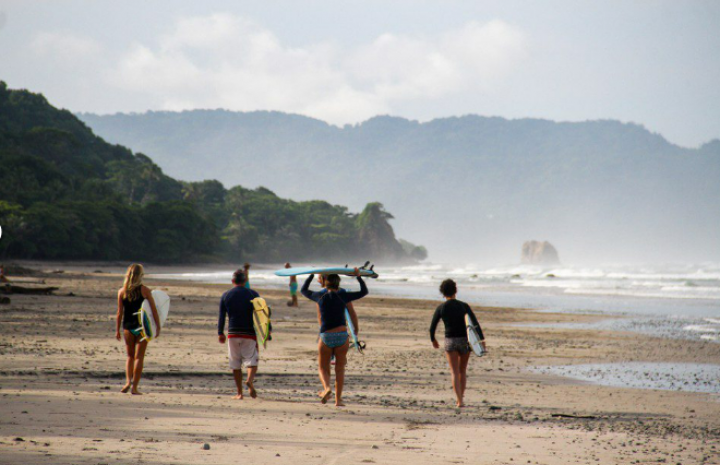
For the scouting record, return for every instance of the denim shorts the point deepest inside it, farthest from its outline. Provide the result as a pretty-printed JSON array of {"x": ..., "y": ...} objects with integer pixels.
[{"x": 334, "y": 340}]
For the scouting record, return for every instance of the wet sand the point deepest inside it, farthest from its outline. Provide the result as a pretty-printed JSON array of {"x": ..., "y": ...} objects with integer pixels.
[{"x": 61, "y": 371}]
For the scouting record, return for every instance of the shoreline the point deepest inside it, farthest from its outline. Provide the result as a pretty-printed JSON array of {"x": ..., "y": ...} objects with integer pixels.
[{"x": 398, "y": 393}]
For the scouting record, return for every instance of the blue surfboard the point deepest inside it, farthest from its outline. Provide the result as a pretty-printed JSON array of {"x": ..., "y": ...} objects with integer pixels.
[{"x": 325, "y": 270}]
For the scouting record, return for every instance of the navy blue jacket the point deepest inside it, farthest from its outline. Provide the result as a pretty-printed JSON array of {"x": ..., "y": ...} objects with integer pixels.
[{"x": 236, "y": 304}]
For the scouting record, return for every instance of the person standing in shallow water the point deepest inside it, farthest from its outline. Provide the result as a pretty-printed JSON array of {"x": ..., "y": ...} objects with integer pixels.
[
  {"x": 457, "y": 348},
  {"x": 130, "y": 299},
  {"x": 236, "y": 304}
]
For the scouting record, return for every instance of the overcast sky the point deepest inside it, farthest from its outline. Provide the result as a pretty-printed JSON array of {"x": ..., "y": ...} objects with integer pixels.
[{"x": 656, "y": 63}]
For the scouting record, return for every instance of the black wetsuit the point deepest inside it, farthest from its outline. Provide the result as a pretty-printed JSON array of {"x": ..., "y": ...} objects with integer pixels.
[
  {"x": 130, "y": 308},
  {"x": 453, "y": 313},
  {"x": 332, "y": 303}
]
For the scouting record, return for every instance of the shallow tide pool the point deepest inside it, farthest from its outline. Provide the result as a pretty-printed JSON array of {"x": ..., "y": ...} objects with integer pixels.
[{"x": 689, "y": 377}]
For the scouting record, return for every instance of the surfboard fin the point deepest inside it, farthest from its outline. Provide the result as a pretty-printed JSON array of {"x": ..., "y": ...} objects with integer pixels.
[{"x": 364, "y": 267}]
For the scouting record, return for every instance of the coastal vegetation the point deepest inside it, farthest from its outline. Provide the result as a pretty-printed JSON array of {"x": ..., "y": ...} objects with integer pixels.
[{"x": 65, "y": 193}]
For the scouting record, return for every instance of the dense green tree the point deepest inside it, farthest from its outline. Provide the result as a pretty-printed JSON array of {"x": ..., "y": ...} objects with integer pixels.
[{"x": 67, "y": 194}]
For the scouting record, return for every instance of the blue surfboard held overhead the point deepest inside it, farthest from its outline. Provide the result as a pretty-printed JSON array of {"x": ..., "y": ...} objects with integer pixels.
[{"x": 325, "y": 270}]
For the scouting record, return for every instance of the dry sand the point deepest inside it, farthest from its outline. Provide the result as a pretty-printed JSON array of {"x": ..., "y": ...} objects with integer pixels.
[{"x": 62, "y": 368}]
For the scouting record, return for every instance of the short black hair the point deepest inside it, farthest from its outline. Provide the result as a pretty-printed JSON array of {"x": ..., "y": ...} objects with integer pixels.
[
  {"x": 239, "y": 277},
  {"x": 448, "y": 288}
]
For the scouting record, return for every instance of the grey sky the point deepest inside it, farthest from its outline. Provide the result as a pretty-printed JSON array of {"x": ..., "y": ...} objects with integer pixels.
[{"x": 656, "y": 63}]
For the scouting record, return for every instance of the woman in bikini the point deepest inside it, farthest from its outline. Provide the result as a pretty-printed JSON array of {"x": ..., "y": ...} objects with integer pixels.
[
  {"x": 334, "y": 341},
  {"x": 129, "y": 301}
]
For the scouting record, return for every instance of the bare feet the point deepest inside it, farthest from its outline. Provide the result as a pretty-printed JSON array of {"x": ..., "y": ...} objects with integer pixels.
[
  {"x": 460, "y": 405},
  {"x": 339, "y": 403},
  {"x": 238, "y": 397},
  {"x": 125, "y": 388},
  {"x": 325, "y": 395},
  {"x": 135, "y": 392},
  {"x": 251, "y": 389}
]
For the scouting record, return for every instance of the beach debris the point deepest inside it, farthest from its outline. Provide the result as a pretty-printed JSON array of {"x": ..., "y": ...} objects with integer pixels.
[
  {"x": 206, "y": 446},
  {"x": 565, "y": 415},
  {"x": 12, "y": 289},
  {"x": 375, "y": 447},
  {"x": 18, "y": 439},
  {"x": 4, "y": 300}
]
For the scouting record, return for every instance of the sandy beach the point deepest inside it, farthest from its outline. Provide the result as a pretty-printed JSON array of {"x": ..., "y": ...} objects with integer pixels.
[{"x": 62, "y": 369}]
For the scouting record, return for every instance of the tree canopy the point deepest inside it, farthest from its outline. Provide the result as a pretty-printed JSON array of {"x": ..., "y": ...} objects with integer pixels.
[{"x": 67, "y": 194}]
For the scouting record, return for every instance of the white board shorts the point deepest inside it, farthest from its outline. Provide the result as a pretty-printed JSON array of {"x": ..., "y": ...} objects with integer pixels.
[{"x": 242, "y": 352}]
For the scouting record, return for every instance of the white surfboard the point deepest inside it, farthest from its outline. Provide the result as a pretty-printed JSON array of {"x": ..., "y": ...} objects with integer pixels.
[
  {"x": 351, "y": 331},
  {"x": 474, "y": 338},
  {"x": 148, "y": 328}
]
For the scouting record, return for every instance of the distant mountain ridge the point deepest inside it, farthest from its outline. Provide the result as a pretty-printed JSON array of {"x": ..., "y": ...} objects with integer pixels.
[{"x": 471, "y": 187}]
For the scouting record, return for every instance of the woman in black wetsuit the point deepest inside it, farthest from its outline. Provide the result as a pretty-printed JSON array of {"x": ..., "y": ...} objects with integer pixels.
[
  {"x": 129, "y": 301},
  {"x": 332, "y": 302},
  {"x": 457, "y": 347}
]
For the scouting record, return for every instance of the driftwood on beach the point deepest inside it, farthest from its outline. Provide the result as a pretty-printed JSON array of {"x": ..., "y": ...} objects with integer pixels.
[{"x": 13, "y": 289}]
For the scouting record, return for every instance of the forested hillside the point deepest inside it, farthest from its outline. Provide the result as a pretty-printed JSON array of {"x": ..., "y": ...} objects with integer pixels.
[
  {"x": 471, "y": 188},
  {"x": 67, "y": 194}
]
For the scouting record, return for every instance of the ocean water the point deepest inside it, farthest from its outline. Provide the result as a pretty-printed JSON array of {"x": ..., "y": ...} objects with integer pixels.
[{"x": 672, "y": 300}]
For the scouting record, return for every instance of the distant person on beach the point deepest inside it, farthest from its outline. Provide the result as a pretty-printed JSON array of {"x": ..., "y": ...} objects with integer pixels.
[
  {"x": 457, "y": 348},
  {"x": 130, "y": 299},
  {"x": 293, "y": 289},
  {"x": 237, "y": 305},
  {"x": 334, "y": 340},
  {"x": 246, "y": 270},
  {"x": 3, "y": 278}
]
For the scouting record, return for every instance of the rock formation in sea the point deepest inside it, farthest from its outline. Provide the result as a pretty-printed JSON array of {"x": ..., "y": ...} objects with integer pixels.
[{"x": 539, "y": 253}]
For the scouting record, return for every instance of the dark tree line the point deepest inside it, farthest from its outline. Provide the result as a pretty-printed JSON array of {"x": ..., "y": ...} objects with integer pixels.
[{"x": 67, "y": 194}]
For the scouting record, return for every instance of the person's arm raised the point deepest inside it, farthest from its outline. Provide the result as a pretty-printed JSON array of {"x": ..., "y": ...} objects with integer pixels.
[
  {"x": 350, "y": 296},
  {"x": 306, "y": 289}
]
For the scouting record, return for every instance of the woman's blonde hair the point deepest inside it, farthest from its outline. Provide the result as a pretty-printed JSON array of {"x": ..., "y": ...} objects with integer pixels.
[{"x": 133, "y": 281}]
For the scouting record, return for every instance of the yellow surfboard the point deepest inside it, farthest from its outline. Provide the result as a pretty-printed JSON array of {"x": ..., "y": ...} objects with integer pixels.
[{"x": 261, "y": 320}]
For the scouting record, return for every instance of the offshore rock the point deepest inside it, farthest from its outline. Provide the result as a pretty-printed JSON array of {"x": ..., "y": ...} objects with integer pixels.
[{"x": 539, "y": 253}]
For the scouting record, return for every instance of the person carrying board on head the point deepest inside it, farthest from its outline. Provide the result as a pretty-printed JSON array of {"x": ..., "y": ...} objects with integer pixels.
[
  {"x": 457, "y": 348},
  {"x": 331, "y": 304},
  {"x": 293, "y": 302},
  {"x": 236, "y": 305},
  {"x": 130, "y": 299}
]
